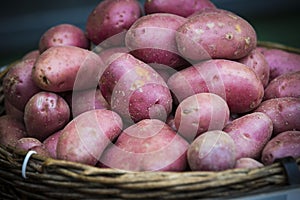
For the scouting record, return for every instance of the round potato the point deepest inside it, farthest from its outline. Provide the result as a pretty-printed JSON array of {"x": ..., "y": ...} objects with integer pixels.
[
  {"x": 47, "y": 110},
  {"x": 33, "y": 144},
  {"x": 50, "y": 143},
  {"x": 212, "y": 151},
  {"x": 215, "y": 33},
  {"x": 63, "y": 35},
  {"x": 200, "y": 113}
]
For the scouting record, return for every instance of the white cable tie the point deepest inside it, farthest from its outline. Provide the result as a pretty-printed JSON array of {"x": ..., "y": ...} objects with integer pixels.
[{"x": 25, "y": 162}]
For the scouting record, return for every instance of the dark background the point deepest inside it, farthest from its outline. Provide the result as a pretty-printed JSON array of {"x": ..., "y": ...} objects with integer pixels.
[{"x": 23, "y": 22}]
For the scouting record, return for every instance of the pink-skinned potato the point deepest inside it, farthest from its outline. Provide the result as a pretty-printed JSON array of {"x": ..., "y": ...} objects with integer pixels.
[
  {"x": 212, "y": 151},
  {"x": 47, "y": 110},
  {"x": 107, "y": 54},
  {"x": 50, "y": 143},
  {"x": 200, "y": 113},
  {"x": 84, "y": 138},
  {"x": 149, "y": 145},
  {"x": 110, "y": 18},
  {"x": 248, "y": 163},
  {"x": 281, "y": 62},
  {"x": 65, "y": 68},
  {"x": 135, "y": 90},
  {"x": 63, "y": 35},
  {"x": 258, "y": 63},
  {"x": 31, "y": 144},
  {"x": 284, "y": 113},
  {"x": 215, "y": 33},
  {"x": 286, "y": 85},
  {"x": 151, "y": 39},
  {"x": 283, "y": 145},
  {"x": 11, "y": 130},
  {"x": 13, "y": 111},
  {"x": 226, "y": 78},
  {"x": 18, "y": 85},
  {"x": 250, "y": 133},
  {"x": 33, "y": 54},
  {"x": 182, "y": 8}
]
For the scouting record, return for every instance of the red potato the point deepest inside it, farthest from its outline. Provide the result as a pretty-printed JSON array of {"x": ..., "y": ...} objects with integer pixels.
[
  {"x": 29, "y": 143},
  {"x": 250, "y": 134},
  {"x": 107, "y": 54},
  {"x": 33, "y": 54},
  {"x": 47, "y": 110},
  {"x": 63, "y": 35},
  {"x": 212, "y": 151},
  {"x": 135, "y": 90},
  {"x": 284, "y": 113},
  {"x": 200, "y": 113},
  {"x": 281, "y": 62},
  {"x": 228, "y": 79},
  {"x": 84, "y": 139},
  {"x": 50, "y": 143},
  {"x": 18, "y": 85},
  {"x": 86, "y": 100},
  {"x": 286, "y": 85},
  {"x": 13, "y": 111},
  {"x": 11, "y": 130},
  {"x": 111, "y": 17},
  {"x": 149, "y": 145},
  {"x": 256, "y": 61},
  {"x": 151, "y": 39},
  {"x": 284, "y": 144},
  {"x": 182, "y": 8},
  {"x": 215, "y": 33},
  {"x": 248, "y": 163},
  {"x": 65, "y": 68}
]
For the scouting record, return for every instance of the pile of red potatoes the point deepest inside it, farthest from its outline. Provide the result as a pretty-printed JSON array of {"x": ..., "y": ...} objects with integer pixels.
[{"x": 164, "y": 86}]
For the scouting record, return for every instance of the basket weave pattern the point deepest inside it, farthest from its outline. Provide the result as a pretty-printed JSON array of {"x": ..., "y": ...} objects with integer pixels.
[{"x": 57, "y": 179}]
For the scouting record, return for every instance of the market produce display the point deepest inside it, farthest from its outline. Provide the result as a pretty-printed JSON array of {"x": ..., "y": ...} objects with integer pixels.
[{"x": 162, "y": 86}]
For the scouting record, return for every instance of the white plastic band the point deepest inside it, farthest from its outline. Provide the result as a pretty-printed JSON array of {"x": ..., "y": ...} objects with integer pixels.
[{"x": 25, "y": 162}]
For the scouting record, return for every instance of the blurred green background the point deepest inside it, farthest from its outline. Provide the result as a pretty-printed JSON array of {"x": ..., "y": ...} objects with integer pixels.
[{"x": 23, "y": 22}]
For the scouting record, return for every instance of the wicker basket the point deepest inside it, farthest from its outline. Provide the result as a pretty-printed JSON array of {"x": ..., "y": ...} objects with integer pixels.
[{"x": 56, "y": 179}]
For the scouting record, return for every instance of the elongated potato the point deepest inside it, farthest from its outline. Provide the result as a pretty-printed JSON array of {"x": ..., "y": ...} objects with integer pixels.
[
  {"x": 18, "y": 84},
  {"x": 200, "y": 113},
  {"x": 250, "y": 133},
  {"x": 284, "y": 113},
  {"x": 84, "y": 139},
  {"x": 228, "y": 79},
  {"x": 286, "y": 85},
  {"x": 149, "y": 145},
  {"x": 182, "y": 8},
  {"x": 215, "y": 33},
  {"x": 284, "y": 144},
  {"x": 57, "y": 69},
  {"x": 212, "y": 151},
  {"x": 248, "y": 163},
  {"x": 135, "y": 90},
  {"x": 151, "y": 39}
]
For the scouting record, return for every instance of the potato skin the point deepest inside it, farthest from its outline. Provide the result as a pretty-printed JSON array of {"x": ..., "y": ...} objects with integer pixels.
[
  {"x": 212, "y": 151},
  {"x": 250, "y": 133},
  {"x": 84, "y": 139},
  {"x": 151, "y": 39},
  {"x": 215, "y": 33},
  {"x": 200, "y": 113},
  {"x": 286, "y": 85},
  {"x": 13, "y": 111},
  {"x": 18, "y": 85},
  {"x": 182, "y": 8},
  {"x": 57, "y": 69},
  {"x": 256, "y": 61},
  {"x": 63, "y": 35},
  {"x": 248, "y": 163},
  {"x": 281, "y": 62},
  {"x": 11, "y": 130},
  {"x": 47, "y": 110},
  {"x": 284, "y": 144},
  {"x": 33, "y": 144},
  {"x": 284, "y": 113},
  {"x": 111, "y": 17},
  {"x": 135, "y": 90},
  {"x": 228, "y": 79},
  {"x": 148, "y": 145},
  {"x": 33, "y": 54},
  {"x": 50, "y": 143}
]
